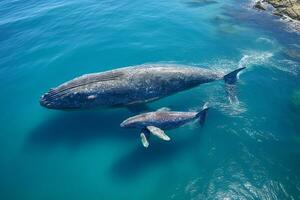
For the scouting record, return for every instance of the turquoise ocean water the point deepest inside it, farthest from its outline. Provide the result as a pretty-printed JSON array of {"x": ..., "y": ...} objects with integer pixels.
[{"x": 245, "y": 151}]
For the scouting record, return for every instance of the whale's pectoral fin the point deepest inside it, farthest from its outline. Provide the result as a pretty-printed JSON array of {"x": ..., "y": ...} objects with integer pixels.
[
  {"x": 145, "y": 135},
  {"x": 158, "y": 133},
  {"x": 230, "y": 80},
  {"x": 202, "y": 114}
]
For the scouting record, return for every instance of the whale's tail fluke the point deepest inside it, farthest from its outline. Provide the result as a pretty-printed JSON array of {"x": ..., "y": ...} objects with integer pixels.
[
  {"x": 231, "y": 77},
  {"x": 201, "y": 116},
  {"x": 230, "y": 87}
]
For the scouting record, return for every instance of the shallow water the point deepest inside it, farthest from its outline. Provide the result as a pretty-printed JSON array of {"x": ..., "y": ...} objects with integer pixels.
[{"x": 246, "y": 151}]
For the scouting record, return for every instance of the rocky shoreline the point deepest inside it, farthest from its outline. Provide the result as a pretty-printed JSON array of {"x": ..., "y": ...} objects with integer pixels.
[{"x": 282, "y": 8}]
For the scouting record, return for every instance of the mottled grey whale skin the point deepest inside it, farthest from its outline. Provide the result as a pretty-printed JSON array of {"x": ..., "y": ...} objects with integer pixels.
[
  {"x": 156, "y": 122},
  {"x": 162, "y": 119},
  {"x": 127, "y": 86}
]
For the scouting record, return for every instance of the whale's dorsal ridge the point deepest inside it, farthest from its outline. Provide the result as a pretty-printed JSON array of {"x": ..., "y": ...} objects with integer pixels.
[{"x": 93, "y": 79}]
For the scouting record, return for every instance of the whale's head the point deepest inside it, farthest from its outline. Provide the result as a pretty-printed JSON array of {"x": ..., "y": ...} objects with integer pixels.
[
  {"x": 134, "y": 122},
  {"x": 49, "y": 101},
  {"x": 129, "y": 123},
  {"x": 65, "y": 100}
]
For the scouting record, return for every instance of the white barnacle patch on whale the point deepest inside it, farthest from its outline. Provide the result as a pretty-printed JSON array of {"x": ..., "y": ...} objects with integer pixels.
[{"x": 91, "y": 97}]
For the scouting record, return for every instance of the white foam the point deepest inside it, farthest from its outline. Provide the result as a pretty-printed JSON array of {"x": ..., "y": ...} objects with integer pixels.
[
  {"x": 223, "y": 105},
  {"x": 288, "y": 66},
  {"x": 266, "y": 40},
  {"x": 292, "y": 26},
  {"x": 251, "y": 58}
]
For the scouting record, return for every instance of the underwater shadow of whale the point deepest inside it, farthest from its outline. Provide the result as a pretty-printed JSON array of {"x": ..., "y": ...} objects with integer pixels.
[
  {"x": 137, "y": 161},
  {"x": 72, "y": 129},
  {"x": 140, "y": 159},
  {"x": 200, "y": 3}
]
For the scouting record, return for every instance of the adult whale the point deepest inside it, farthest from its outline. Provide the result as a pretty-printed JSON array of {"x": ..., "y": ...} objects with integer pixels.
[{"x": 130, "y": 86}]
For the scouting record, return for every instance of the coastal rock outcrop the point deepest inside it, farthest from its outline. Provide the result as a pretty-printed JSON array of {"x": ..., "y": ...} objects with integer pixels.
[
  {"x": 259, "y": 5},
  {"x": 290, "y": 8}
]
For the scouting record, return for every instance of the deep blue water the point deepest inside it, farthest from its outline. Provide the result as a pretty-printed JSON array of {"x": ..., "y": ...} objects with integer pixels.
[{"x": 245, "y": 151}]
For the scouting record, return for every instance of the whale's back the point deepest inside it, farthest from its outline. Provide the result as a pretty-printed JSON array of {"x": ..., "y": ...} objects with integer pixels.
[{"x": 129, "y": 85}]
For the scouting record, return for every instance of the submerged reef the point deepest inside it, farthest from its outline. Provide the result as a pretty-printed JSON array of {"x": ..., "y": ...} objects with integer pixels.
[
  {"x": 292, "y": 53},
  {"x": 296, "y": 99},
  {"x": 282, "y": 8}
]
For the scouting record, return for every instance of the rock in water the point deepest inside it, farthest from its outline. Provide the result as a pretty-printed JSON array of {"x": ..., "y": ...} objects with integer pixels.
[
  {"x": 259, "y": 5},
  {"x": 290, "y": 8},
  {"x": 277, "y": 13}
]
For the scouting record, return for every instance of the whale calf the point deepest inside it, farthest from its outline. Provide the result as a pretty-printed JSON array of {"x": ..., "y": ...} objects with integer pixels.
[
  {"x": 130, "y": 86},
  {"x": 156, "y": 122}
]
